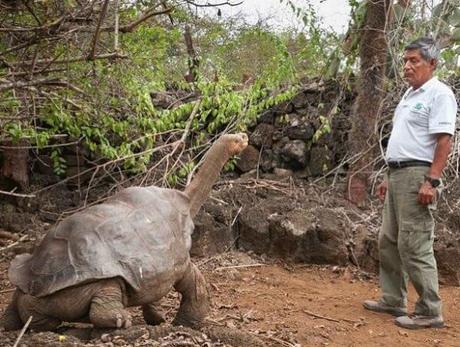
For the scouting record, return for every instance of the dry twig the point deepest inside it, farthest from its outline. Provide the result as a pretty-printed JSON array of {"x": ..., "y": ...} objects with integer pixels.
[
  {"x": 21, "y": 334},
  {"x": 328, "y": 318}
]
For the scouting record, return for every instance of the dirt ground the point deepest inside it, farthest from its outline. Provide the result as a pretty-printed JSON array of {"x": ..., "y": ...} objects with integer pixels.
[{"x": 286, "y": 305}]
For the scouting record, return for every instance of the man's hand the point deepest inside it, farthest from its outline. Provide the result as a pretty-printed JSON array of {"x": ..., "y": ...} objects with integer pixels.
[
  {"x": 382, "y": 190},
  {"x": 426, "y": 194}
]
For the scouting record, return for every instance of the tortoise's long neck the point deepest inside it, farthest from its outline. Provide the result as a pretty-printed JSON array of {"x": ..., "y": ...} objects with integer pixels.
[{"x": 201, "y": 185}]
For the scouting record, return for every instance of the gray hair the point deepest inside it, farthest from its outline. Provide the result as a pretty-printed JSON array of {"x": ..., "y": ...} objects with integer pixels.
[{"x": 427, "y": 46}]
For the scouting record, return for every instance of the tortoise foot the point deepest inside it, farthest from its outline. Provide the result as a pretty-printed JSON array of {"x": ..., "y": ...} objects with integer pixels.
[{"x": 110, "y": 318}]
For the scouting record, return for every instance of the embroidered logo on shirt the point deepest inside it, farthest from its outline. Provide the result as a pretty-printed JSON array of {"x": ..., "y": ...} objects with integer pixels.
[{"x": 418, "y": 106}]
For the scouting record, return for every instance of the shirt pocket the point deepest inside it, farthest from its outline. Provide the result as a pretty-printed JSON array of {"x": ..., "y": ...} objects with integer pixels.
[{"x": 419, "y": 117}]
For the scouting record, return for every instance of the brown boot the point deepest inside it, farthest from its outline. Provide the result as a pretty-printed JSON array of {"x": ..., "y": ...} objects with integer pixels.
[{"x": 378, "y": 306}]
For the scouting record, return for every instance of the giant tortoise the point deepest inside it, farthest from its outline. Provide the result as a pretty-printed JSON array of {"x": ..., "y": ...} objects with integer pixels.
[{"x": 128, "y": 251}]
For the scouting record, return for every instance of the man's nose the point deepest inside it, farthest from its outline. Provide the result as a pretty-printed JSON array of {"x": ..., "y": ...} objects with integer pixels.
[{"x": 407, "y": 65}]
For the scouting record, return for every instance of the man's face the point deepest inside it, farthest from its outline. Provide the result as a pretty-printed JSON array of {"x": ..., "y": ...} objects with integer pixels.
[{"x": 417, "y": 70}]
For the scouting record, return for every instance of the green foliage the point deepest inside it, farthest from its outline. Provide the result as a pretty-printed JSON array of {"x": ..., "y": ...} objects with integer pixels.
[
  {"x": 59, "y": 163},
  {"x": 325, "y": 128},
  {"x": 243, "y": 71}
]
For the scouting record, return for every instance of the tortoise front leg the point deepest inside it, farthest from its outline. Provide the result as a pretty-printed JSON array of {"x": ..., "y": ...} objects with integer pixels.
[
  {"x": 195, "y": 304},
  {"x": 107, "y": 309}
]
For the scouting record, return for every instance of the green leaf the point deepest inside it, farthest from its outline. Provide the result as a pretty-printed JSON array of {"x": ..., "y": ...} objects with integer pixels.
[{"x": 456, "y": 35}]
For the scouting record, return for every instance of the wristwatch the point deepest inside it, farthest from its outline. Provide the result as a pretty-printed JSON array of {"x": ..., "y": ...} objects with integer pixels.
[{"x": 435, "y": 182}]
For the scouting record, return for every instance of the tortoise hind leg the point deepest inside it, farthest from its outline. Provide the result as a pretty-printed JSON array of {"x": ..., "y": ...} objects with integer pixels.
[
  {"x": 151, "y": 315},
  {"x": 107, "y": 309},
  {"x": 37, "y": 308},
  {"x": 10, "y": 320},
  {"x": 195, "y": 304}
]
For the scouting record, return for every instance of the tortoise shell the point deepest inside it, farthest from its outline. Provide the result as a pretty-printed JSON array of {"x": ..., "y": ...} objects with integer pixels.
[{"x": 138, "y": 233}]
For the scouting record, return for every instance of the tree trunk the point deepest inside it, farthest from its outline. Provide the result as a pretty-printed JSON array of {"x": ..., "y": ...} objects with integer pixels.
[
  {"x": 367, "y": 107},
  {"x": 14, "y": 164},
  {"x": 193, "y": 61}
]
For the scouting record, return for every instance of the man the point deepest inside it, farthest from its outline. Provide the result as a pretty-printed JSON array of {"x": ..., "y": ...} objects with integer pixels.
[{"x": 418, "y": 148}]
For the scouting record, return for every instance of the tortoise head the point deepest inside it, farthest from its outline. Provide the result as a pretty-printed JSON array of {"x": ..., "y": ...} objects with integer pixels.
[{"x": 235, "y": 143}]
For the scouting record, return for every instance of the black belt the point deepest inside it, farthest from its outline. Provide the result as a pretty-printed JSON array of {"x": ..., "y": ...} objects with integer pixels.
[{"x": 407, "y": 163}]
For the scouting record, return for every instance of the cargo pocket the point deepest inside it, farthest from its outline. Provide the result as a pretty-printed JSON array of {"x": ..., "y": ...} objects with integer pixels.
[{"x": 416, "y": 238}]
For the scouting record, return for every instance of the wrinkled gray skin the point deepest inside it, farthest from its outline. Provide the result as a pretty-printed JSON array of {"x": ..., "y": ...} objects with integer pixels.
[{"x": 128, "y": 251}]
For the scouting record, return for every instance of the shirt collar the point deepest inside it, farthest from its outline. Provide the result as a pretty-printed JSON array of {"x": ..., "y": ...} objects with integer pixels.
[
  {"x": 428, "y": 83},
  {"x": 425, "y": 86}
]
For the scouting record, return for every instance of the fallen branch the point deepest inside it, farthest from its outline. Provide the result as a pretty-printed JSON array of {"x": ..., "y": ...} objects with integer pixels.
[
  {"x": 7, "y": 235},
  {"x": 282, "y": 342},
  {"x": 17, "y": 194},
  {"x": 5, "y": 291},
  {"x": 239, "y": 266},
  {"x": 328, "y": 318},
  {"x": 14, "y": 243},
  {"x": 21, "y": 334}
]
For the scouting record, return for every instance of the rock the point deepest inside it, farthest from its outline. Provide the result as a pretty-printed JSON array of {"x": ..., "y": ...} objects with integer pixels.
[
  {"x": 14, "y": 219},
  {"x": 213, "y": 231},
  {"x": 303, "y": 131},
  {"x": 308, "y": 234},
  {"x": 248, "y": 159},
  {"x": 295, "y": 152},
  {"x": 45, "y": 165},
  {"x": 250, "y": 174},
  {"x": 366, "y": 249},
  {"x": 320, "y": 160},
  {"x": 300, "y": 101},
  {"x": 253, "y": 224},
  {"x": 262, "y": 136},
  {"x": 283, "y": 108},
  {"x": 312, "y": 236},
  {"x": 268, "y": 117},
  {"x": 282, "y": 173},
  {"x": 447, "y": 254},
  {"x": 269, "y": 160}
]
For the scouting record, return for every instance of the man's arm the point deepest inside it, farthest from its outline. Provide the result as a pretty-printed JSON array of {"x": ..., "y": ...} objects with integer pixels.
[
  {"x": 441, "y": 153},
  {"x": 427, "y": 193}
]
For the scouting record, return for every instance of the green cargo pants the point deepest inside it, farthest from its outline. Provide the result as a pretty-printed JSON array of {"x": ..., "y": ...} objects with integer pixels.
[{"x": 406, "y": 244}]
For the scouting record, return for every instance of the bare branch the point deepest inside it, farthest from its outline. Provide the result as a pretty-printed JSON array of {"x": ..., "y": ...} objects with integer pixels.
[
  {"x": 45, "y": 27},
  {"x": 225, "y": 3},
  {"x": 130, "y": 27},
  {"x": 17, "y": 194},
  {"x": 72, "y": 60},
  {"x": 98, "y": 27},
  {"x": 41, "y": 81}
]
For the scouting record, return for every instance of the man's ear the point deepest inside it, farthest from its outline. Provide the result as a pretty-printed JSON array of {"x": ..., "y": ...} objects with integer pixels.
[{"x": 433, "y": 63}]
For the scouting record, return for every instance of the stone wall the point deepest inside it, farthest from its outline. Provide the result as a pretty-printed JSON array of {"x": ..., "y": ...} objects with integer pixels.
[{"x": 305, "y": 137}]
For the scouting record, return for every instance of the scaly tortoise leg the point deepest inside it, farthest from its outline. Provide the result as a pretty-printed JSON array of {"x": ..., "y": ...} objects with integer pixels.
[
  {"x": 37, "y": 308},
  {"x": 195, "y": 304},
  {"x": 151, "y": 315},
  {"x": 10, "y": 320},
  {"x": 107, "y": 309}
]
